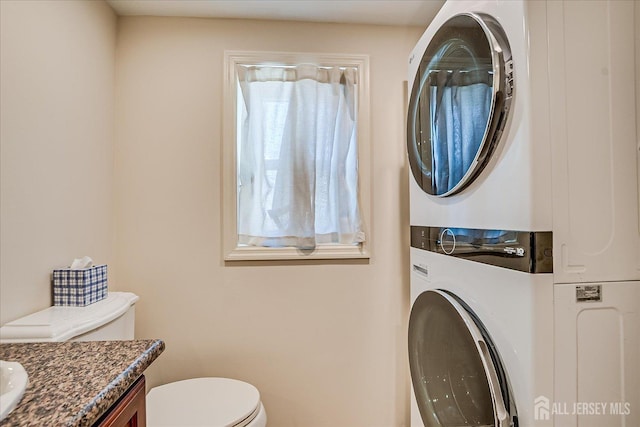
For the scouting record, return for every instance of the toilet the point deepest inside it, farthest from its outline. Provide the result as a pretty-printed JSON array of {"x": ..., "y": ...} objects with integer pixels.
[
  {"x": 202, "y": 402},
  {"x": 205, "y": 402}
]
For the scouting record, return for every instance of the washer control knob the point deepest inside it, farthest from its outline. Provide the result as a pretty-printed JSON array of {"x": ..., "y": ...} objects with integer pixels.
[{"x": 447, "y": 241}]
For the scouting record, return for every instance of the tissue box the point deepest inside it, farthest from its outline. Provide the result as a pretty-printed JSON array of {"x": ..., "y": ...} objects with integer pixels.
[{"x": 79, "y": 287}]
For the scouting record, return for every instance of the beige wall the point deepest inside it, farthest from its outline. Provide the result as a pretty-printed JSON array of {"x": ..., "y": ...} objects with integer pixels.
[
  {"x": 637, "y": 41},
  {"x": 324, "y": 343},
  {"x": 56, "y": 144}
]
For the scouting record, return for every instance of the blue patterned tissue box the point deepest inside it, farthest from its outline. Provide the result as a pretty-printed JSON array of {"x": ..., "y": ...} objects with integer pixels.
[{"x": 79, "y": 287}]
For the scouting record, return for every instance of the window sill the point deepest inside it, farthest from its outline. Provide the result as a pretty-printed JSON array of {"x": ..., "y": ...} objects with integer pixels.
[{"x": 324, "y": 252}]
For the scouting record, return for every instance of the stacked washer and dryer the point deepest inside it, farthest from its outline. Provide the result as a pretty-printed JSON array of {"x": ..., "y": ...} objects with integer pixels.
[{"x": 525, "y": 282}]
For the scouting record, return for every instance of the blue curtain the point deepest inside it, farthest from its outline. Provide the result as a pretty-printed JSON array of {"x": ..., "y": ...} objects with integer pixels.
[{"x": 459, "y": 117}]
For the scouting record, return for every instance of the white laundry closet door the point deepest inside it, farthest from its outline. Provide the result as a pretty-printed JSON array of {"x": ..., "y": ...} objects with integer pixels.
[
  {"x": 593, "y": 139},
  {"x": 597, "y": 355}
]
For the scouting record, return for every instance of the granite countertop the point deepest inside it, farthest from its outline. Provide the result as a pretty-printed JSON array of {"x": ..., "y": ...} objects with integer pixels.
[{"x": 74, "y": 383}]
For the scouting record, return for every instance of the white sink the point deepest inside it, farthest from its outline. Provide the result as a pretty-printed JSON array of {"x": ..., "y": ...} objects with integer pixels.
[{"x": 13, "y": 382}]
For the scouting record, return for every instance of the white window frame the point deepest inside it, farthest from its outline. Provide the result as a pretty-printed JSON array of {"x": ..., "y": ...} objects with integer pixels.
[{"x": 231, "y": 250}]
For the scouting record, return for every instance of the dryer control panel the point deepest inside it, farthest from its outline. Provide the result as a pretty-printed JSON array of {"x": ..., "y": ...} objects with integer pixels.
[{"x": 527, "y": 251}]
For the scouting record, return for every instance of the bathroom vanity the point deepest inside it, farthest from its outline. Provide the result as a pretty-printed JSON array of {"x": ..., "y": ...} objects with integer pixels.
[{"x": 97, "y": 383}]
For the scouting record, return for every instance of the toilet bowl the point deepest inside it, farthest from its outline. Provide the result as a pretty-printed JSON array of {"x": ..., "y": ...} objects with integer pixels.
[
  {"x": 202, "y": 402},
  {"x": 216, "y": 402}
]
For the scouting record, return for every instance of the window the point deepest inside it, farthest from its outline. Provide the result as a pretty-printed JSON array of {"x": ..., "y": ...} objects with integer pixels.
[{"x": 295, "y": 156}]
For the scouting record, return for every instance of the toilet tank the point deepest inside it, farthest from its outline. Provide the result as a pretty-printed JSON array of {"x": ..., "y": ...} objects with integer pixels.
[{"x": 112, "y": 318}]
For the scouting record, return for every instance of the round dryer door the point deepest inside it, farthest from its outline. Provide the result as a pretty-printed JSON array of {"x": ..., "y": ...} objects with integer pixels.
[
  {"x": 456, "y": 372},
  {"x": 459, "y": 103}
]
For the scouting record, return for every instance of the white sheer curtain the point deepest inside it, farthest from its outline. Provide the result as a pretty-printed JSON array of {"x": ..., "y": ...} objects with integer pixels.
[{"x": 297, "y": 160}]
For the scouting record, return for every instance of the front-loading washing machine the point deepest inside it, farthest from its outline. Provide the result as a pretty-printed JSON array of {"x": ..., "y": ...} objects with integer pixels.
[
  {"x": 474, "y": 343},
  {"x": 524, "y": 200},
  {"x": 491, "y": 345}
]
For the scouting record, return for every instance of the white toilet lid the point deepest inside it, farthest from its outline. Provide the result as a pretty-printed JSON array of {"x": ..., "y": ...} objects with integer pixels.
[
  {"x": 60, "y": 323},
  {"x": 219, "y": 402}
]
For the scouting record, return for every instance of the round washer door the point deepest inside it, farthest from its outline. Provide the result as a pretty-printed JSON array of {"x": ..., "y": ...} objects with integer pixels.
[
  {"x": 459, "y": 103},
  {"x": 457, "y": 376}
]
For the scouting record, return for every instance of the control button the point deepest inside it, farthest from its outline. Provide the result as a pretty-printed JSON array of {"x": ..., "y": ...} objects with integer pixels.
[{"x": 447, "y": 241}]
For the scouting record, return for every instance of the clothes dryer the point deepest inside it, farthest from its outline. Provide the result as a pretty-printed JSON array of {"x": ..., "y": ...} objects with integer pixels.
[{"x": 521, "y": 118}]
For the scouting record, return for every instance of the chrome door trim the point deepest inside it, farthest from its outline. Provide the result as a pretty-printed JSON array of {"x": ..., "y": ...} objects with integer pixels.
[
  {"x": 500, "y": 410},
  {"x": 503, "y": 416},
  {"x": 502, "y": 94}
]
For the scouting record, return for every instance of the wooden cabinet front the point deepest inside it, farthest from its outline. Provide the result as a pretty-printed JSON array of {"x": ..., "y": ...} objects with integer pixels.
[{"x": 129, "y": 410}]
